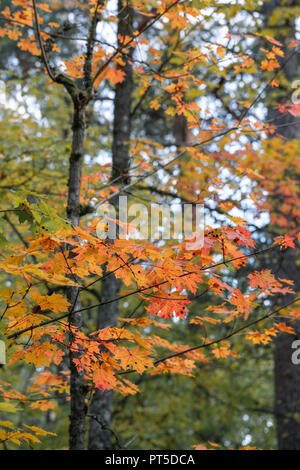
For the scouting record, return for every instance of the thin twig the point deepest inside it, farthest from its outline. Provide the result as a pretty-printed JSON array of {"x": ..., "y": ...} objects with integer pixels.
[
  {"x": 233, "y": 333},
  {"x": 105, "y": 427}
]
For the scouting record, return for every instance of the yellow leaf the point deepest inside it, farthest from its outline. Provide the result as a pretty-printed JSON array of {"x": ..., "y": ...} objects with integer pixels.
[
  {"x": 39, "y": 431},
  {"x": 8, "y": 407}
]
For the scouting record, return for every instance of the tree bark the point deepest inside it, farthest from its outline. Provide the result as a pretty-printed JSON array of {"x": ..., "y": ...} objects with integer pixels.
[
  {"x": 122, "y": 103},
  {"x": 78, "y": 407},
  {"x": 81, "y": 98},
  {"x": 287, "y": 374},
  {"x": 101, "y": 406}
]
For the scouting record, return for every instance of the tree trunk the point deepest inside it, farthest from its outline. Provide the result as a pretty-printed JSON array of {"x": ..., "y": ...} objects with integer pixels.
[
  {"x": 101, "y": 406},
  {"x": 122, "y": 104},
  {"x": 287, "y": 374},
  {"x": 78, "y": 411}
]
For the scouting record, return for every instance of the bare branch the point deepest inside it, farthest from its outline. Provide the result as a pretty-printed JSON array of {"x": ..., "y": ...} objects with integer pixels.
[
  {"x": 233, "y": 333},
  {"x": 105, "y": 427},
  {"x": 90, "y": 48},
  {"x": 177, "y": 156},
  {"x": 38, "y": 31}
]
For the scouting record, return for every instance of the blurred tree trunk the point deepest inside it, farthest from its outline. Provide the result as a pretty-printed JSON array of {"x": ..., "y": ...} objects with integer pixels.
[
  {"x": 101, "y": 407},
  {"x": 287, "y": 374}
]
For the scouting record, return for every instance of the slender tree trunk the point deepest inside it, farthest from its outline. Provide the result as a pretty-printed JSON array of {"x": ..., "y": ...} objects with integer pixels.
[
  {"x": 122, "y": 105},
  {"x": 78, "y": 411},
  {"x": 287, "y": 374},
  {"x": 80, "y": 99},
  {"x": 101, "y": 406}
]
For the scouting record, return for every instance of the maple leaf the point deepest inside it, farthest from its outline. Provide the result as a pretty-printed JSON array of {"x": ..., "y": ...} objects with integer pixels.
[
  {"x": 263, "y": 279},
  {"x": 285, "y": 241},
  {"x": 135, "y": 358},
  {"x": 167, "y": 307},
  {"x": 221, "y": 352},
  {"x": 240, "y": 235},
  {"x": 242, "y": 302},
  {"x": 221, "y": 52},
  {"x": 269, "y": 65},
  {"x": 56, "y": 303},
  {"x": 190, "y": 282},
  {"x": 46, "y": 378},
  {"x": 27, "y": 45},
  {"x": 7, "y": 424},
  {"x": 104, "y": 377},
  {"x": 43, "y": 405},
  {"x": 39, "y": 354},
  {"x": 8, "y": 407},
  {"x": 262, "y": 337},
  {"x": 285, "y": 328},
  {"x": 39, "y": 431},
  {"x": 218, "y": 286},
  {"x": 113, "y": 74}
]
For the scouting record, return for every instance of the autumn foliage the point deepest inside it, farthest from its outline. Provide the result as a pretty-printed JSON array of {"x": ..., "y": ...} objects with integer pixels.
[{"x": 230, "y": 161}]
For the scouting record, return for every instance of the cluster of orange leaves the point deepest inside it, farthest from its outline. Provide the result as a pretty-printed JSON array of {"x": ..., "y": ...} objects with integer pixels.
[{"x": 160, "y": 277}]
